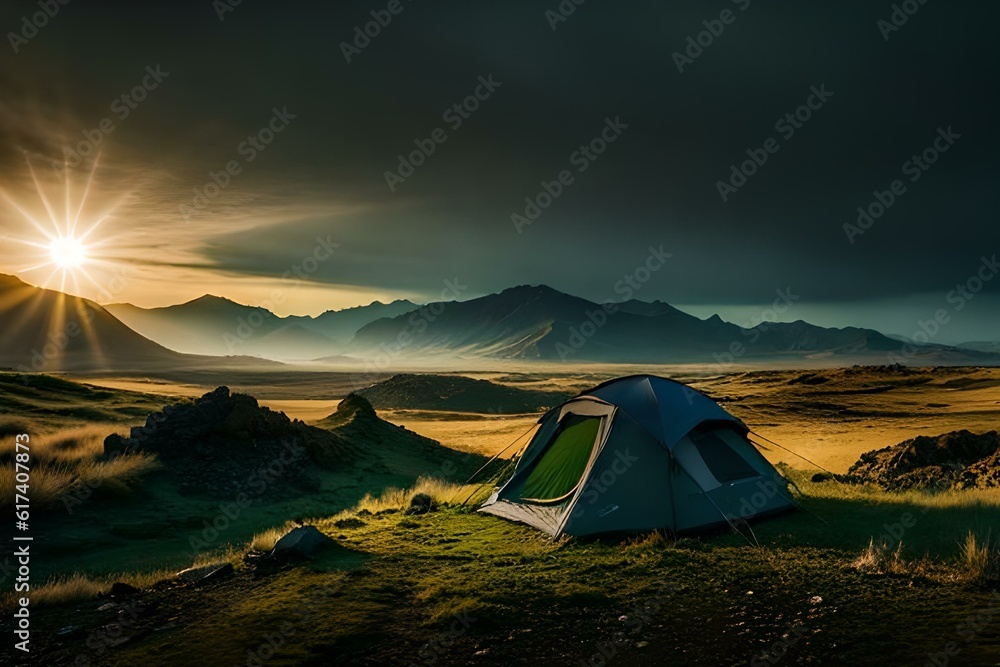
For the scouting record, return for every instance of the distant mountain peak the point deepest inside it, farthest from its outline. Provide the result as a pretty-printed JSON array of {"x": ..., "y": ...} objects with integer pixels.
[{"x": 210, "y": 299}]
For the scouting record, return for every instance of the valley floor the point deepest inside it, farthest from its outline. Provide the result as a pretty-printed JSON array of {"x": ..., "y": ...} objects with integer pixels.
[{"x": 454, "y": 587}]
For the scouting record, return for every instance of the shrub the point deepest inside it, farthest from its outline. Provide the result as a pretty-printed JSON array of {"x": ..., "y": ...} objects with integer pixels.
[{"x": 979, "y": 561}]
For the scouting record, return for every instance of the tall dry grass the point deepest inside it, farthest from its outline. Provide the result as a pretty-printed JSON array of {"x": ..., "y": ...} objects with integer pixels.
[
  {"x": 440, "y": 491},
  {"x": 881, "y": 558},
  {"x": 65, "y": 589},
  {"x": 979, "y": 560},
  {"x": 71, "y": 461}
]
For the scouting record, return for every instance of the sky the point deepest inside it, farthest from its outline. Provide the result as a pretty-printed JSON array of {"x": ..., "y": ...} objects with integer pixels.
[{"x": 634, "y": 129}]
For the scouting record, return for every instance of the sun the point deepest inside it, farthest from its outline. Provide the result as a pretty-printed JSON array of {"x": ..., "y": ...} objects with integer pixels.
[
  {"x": 68, "y": 252},
  {"x": 65, "y": 245}
]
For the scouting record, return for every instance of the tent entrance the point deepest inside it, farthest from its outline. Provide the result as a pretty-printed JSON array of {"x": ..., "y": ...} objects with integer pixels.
[
  {"x": 725, "y": 464},
  {"x": 559, "y": 470}
]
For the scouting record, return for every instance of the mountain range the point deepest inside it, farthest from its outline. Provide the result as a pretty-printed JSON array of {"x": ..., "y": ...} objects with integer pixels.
[
  {"x": 49, "y": 330},
  {"x": 217, "y": 326},
  {"x": 538, "y": 322}
]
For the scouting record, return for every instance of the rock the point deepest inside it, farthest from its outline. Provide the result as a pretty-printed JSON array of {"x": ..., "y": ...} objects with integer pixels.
[
  {"x": 217, "y": 441},
  {"x": 206, "y": 573},
  {"x": 302, "y": 543},
  {"x": 959, "y": 459},
  {"x": 355, "y": 403},
  {"x": 421, "y": 504},
  {"x": 115, "y": 445},
  {"x": 120, "y": 589}
]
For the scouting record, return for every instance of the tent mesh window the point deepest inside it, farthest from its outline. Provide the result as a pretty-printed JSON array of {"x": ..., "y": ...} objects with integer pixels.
[
  {"x": 722, "y": 460},
  {"x": 560, "y": 468}
]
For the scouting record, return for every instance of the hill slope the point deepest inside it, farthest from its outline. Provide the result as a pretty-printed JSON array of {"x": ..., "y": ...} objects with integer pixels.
[
  {"x": 46, "y": 330},
  {"x": 52, "y": 331},
  {"x": 457, "y": 393}
]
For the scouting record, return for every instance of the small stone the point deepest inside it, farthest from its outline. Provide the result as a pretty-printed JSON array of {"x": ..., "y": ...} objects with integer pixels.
[
  {"x": 421, "y": 504},
  {"x": 121, "y": 589}
]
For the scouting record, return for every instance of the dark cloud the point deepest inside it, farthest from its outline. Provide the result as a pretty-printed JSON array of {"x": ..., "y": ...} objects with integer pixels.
[{"x": 655, "y": 185}]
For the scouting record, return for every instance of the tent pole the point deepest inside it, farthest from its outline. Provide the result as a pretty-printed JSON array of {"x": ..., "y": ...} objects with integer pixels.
[
  {"x": 791, "y": 452},
  {"x": 495, "y": 457}
]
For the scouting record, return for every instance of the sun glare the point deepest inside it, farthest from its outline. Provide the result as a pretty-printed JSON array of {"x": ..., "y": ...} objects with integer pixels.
[
  {"x": 64, "y": 244},
  {"x": 68, "y": 252}
]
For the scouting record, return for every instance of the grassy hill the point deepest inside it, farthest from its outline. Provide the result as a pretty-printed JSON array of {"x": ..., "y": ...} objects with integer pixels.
[
  {"x": 139, "y": 499},
  {"x": 457, "y": 393}
]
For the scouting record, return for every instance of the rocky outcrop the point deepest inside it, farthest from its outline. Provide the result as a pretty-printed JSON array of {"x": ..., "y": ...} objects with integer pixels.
[
  {"x": 223, "y": 443},
  {"x": 959, "y": 459}
]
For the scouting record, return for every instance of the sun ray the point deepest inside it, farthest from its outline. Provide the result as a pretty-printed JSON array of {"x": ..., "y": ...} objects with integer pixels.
[
  {"x": 67, "y": 187},
  {"x": 27, "y": 216},
  {"x": 41, "y": 192},
  {"x": 86, "y": 193}
]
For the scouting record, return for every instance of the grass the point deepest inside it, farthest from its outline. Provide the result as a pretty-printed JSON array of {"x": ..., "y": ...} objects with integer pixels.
[
  {"x": 881, "y": 558},
  {"x": 68, "y": 465},
  {"x": 979, "y": 561},
  {"x": 265, "y": 540},
  {"x": 727, "y": 601},
  {"x": 77, "y": 587},
  {"x": 441, "y": 492}
]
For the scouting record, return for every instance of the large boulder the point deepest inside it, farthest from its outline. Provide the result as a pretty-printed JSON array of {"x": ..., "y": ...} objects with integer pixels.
[{"x": 302, "y": 543}]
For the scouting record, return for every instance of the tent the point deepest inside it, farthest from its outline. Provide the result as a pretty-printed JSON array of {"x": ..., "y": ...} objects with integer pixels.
[{"x": 639, "y": 453}]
